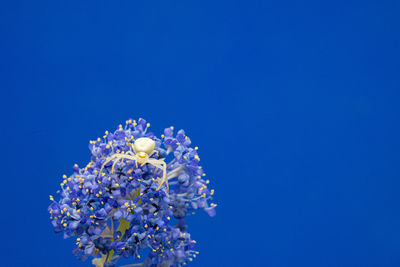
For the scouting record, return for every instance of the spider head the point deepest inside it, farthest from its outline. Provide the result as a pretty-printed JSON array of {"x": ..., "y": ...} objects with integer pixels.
[
  {"x": 142, "y": 155},
  {"x": 143, "y": 147}
]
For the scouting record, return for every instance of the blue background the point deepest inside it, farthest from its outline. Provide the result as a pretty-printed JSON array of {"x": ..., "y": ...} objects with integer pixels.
[{"x": 294, "y": 105}]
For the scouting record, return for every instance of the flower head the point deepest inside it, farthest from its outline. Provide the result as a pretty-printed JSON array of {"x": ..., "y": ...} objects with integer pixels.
[{"x": 120, "y": 206}]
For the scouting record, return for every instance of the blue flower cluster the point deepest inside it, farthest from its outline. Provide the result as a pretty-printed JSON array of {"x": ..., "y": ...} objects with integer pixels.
[{"x": 114, "y": 210}]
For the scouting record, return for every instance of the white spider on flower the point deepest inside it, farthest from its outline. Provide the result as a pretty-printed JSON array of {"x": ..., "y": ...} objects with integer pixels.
[{"x": 143, "y": 149}]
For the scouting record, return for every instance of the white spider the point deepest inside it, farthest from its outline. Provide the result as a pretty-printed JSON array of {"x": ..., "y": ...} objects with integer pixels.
[{"x": 144, "y": 149}]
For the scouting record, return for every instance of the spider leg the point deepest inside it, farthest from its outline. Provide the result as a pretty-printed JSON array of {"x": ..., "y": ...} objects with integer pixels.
[
  {"x": 105, "y": 162},
  {"x": 133, "y": 155},
  {"x": 165, "y": 174},
  {"x": 162, "y": 166},
  {"x": 119, "y": 156},
  {"x": 115, "y": 162},
  {"x": 122, "y": 156},
  {"x": 130, "y": 153}
]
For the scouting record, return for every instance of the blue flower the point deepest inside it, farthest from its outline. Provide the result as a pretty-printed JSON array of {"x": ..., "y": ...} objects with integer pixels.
[{"x": 115, "y": 207}]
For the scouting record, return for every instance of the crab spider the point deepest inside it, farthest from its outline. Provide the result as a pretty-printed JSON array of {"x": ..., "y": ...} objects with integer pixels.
[{"x": 144, "y": 149}]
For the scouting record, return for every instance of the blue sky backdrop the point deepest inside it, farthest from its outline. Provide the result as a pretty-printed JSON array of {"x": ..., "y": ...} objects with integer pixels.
[{"x": 294, "y": 105}]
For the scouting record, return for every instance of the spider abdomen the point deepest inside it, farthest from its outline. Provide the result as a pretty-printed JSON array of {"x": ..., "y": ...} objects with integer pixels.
[{"x": 144, "y": 144}]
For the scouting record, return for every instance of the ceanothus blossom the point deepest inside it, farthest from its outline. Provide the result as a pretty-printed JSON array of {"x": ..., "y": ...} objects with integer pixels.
[{"x": 117, "y": 208}]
